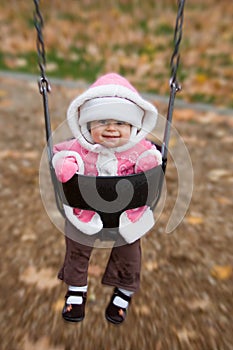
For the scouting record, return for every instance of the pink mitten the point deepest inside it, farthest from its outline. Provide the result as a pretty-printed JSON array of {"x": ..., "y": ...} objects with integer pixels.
[
  {"x": 148, "y": 160},
  {"x": 65, "y": 168}
]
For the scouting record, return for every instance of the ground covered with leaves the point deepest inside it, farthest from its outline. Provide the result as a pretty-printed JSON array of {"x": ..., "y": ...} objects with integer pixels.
[{"x": 185, "y": 300}]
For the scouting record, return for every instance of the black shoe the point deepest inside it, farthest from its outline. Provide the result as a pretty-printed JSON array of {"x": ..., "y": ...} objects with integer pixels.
[
  {"x": 116, "y": 314},
  {"x": 74, "y": 312}
]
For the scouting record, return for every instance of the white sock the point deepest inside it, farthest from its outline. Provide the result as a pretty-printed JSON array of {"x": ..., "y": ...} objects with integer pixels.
[
  {"x": 76, "y": 299},
  {"x": 118, "y": 301}
]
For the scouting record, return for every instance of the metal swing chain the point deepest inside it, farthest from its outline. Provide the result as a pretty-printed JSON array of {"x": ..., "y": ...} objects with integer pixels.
[
  {"x": 43, "y": 83},
  {"x": 39, "y": 24},
  {"x": 175, "y": 59},
  {"x": 45, "y": 88},
  {"x": 174, "y": 85}
]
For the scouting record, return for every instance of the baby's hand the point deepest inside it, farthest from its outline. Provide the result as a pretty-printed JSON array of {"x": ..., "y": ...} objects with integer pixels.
[
  {"x": 148, "y": 160},
  {"x": 65, "y": 168}
]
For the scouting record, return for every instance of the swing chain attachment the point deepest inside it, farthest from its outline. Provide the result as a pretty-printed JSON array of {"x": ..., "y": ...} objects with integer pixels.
[
  {"x": 175, "y": 59},
  {"x": 174, "y": 85},
  {"x": 43, "y": 83},
  {"x": 45, "y": 88}
]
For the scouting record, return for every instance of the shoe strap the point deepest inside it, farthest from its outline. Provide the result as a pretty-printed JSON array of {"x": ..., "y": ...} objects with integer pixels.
[
  {"x": 75, "y": 294},
  {"x": 118, "y": 293}
]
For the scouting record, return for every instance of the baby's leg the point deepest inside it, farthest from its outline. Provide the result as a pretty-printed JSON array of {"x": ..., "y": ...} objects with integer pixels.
[
  {"x": 78, "y": 251},
  {"x": 75, "y": 274},
  {"x": 123, "y": 272},
  {"x": 124, "y": 266}
]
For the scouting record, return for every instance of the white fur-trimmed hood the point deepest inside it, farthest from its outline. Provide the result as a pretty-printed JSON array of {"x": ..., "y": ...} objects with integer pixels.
[{"x": 111, "y": 85}]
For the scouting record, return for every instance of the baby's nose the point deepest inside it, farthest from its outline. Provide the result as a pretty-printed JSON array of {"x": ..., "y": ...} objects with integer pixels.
[{"x": 111, "y": 125}]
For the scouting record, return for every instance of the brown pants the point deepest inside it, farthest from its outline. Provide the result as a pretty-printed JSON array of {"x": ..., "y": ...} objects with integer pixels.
[{"x": 122, "y": 270}]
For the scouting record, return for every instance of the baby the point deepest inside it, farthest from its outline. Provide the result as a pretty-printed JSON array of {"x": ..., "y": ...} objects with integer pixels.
[{"x": 109, "y": 121}]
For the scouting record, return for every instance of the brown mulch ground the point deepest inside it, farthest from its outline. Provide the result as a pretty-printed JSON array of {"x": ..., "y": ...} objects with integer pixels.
[{"x": 185, "y": 301}]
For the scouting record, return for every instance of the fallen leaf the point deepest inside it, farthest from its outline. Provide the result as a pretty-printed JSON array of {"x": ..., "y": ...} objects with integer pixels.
[
  {"x": 3, "y": 93},
  {"x": 199, "y": 304},
  {"x": 51, "y": 67},
  {"x": 58, "y": 305},
  {"x": 184, "y": 114},
  {"x": 217, "y": 174},
  {"x": 5, "y": 103},
  {"x": 42, "y": 343},
  {"x": 143, "y": 310},
  {"x": 184, "y": 335},
  {"x": 21, "y": 62},
  {"x": 15, "y": 154},
  {"x": 172, "y": 142},
  {"x": 29, "y": 171},
  {"x": 224, "y": 200},
  {"x": 29, "y": 237},
  {"x": 43, "y": 279},
  {"x": 228, "y": 139},
  {"x": 91, "y": 297},
  {"x": 151, "y": 265},
  {"x": 201, "y": 78},
  {"x": 195, "y": 140},
  {"x": 195, "y": 220},
  {"x": 221, "y": 272}
]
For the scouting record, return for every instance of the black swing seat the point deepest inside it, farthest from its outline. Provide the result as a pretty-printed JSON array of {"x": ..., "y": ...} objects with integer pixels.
[{"x": 109, "y": 196}]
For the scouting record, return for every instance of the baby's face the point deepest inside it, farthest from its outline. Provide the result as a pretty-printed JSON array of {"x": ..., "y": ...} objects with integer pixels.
[{"x": 110, "y": 133}]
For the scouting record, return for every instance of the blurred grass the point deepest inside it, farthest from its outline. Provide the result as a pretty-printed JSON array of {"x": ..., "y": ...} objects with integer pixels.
[{"x": 85, "y": 39}]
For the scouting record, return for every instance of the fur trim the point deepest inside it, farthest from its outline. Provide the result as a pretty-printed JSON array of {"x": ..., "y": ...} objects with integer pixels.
[
  {"x": 90, "y": 228},
  {"x": 132, "y": 231},
  {"x": 111, "y": 90}
]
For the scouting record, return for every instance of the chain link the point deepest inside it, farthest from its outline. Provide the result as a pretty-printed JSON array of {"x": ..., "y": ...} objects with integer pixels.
[
  {"x": 175, "y": 59},
  {"x": 39, "y": 24},
  {"x": 174, "y": 85}
]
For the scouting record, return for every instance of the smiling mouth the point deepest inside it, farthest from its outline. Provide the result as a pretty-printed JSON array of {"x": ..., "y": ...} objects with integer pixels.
[{"x": 111, "y": 137}]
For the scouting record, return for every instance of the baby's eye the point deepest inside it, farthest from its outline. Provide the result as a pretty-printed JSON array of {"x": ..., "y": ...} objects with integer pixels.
[
  {"x": 103, "y": 122},
  {"x": 121, "y": 123}
]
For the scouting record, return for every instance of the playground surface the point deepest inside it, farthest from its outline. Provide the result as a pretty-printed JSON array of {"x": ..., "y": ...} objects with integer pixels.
[{"x": 185, "y": 300}]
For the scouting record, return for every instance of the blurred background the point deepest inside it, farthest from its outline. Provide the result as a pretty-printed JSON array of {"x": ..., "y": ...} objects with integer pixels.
[
  {"x": 185, "y": 300},
  {"x": 87, "y": 38}
]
